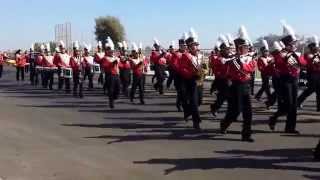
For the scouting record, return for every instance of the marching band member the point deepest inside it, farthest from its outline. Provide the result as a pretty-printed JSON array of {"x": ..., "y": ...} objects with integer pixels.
[
  {"x": 200, "y": 81},
  {"x": 62, "y": 61},
  {"x": 32, "y": 65},
  {"x": 313, "y": 71},
  {"x": 48, "y": 66},
  {"x": 239, "y": 72},
  {"x": 190, "y": 68},
  {"x": 175, "y": 61},
  {"x": 125, "y": 69},
  {"x": 146, "y": 64},
  {"x": 97, "y": 58},
  {"x": 215, "y": 53},
  {"x": 27, "y": 55},
  {"x": 88, "y": 65},
  {"x": 20, "y": 64},
  {"x": 76, "y": 63},
  {"x": 159, "y": 62},
  {"x": 170, "y": 63},
  {"x": 137, "y": 64},
  {"x": 110, "y": 64},
  {"x": 219, "y": 69},
  {"x": 3, "y": 58},
  {"x": 288, "y": 62},
  {"x": 39, "y": 69},
  {"x": 265, "y": 65},
  {"x": 276, "y": 95}
]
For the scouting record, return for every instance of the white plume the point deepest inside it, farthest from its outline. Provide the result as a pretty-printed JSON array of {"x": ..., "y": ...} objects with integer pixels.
[
  {"x": 120, "y": 44},
  {"x": 185, "y": 36},
  {"x": 61, "y": 43},
  {"x": 193, "y": 34},
  {"x": 315, "y": 39},
  {"x": 134, "y": 46},
  {"x": 32, "y": 47},
  {"x": 265, "y": 44},
  {"x": 282, "y": 45},
  {"x": 76, "y": 45},
  {"x": 288, "y": 30},
  {"x": 277, "y": 46},
  {"x": 222, "y": 38},
  {"x": 156, "y": 41},
  {"x": 48, "y": 46},
  {"x": 230, "y": 38},
  {"x": 140, "y": 45},
  {"x": 87, "y": 46},
  {"x": 125, "y": 45},
  {"x": 99, "y": 44},
  {"x": 173, "y": 43},
  {"x": 42, "y": 47},
  {"x": 110, "y": 43}
]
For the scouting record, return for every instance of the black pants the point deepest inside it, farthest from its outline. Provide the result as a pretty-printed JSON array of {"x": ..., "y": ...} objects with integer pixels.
[
  {"x": 239, "y": 101},
  {"x": 113, "y": 89},
  {"x": 312, "y": 86},
  {"x": 265, "y": 87},
  {"x": 144, "y": 82},
  {"x": 43, "y": 77},
  {"x": 100, "y": 79},
  {"x": 171, "y": 77},
  {"x": 160, "y": 75},
  {"x": 26, "y": 69},
  {"x": 275, "y": 95},
  {"x": 106, "y": 82},
  {"x": 20, "y": 72},
  {"x": 125, "y": 77},
  {"x": 137, "y": 83},
  {"x": 32, "y": 73},
  {"x": 221, "y": 86},
  {"x": 88, "y": 74},
  {"x": 191, "y": 99},
  {"x": 252, "y": 82},
  {"x": 48, "y": 79},
  {"x": 178, "y": 85},
  {"x": 36, "y": 77},
  {"x": 317, "y": 152},
  {"x": 288, "y": 91},
  {"x": 1, "y": 70},
  {"x": 63, "y": 81},
  {"x": 200, "y": 94},
  {"x": 77, "y": 84}
]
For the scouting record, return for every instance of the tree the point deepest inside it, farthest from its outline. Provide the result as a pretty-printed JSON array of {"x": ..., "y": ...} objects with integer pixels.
[{"x": 109, "y": 26}]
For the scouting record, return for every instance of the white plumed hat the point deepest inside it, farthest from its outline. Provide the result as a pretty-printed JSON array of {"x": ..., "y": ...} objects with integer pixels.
[
  {"x": 76, "y": 45},
  {"x": 134, "y": 47}
]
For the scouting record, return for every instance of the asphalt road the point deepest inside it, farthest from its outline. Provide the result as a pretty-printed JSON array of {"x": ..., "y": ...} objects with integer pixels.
[{"x": 51, "y": 135}]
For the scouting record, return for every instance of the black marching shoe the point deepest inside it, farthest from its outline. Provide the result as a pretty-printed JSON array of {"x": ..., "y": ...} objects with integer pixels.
[
  {"x": 213, "y": 112},
  {"x": 271, "y": 123},
  {"x": 196, "y": 126},
  {"x": 111, "y": 105},
  {"x": 186, "y": 116},
  {"x": 317, "y": 153},
  {"x": 247, "y": 139},
  {"x": 291, "y": 131}
]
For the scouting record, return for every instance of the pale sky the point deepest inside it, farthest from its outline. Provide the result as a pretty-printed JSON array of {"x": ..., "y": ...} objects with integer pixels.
[{"x": 28, "y": 21}]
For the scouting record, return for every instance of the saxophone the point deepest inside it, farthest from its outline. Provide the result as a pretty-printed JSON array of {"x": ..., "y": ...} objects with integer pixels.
[{"x": 202, "y": 72}]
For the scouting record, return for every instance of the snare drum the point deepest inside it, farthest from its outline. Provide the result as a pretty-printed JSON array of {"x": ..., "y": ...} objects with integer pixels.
[
  {"x": 96, "y": 69},
  {"x": 67, "y": 73}
]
